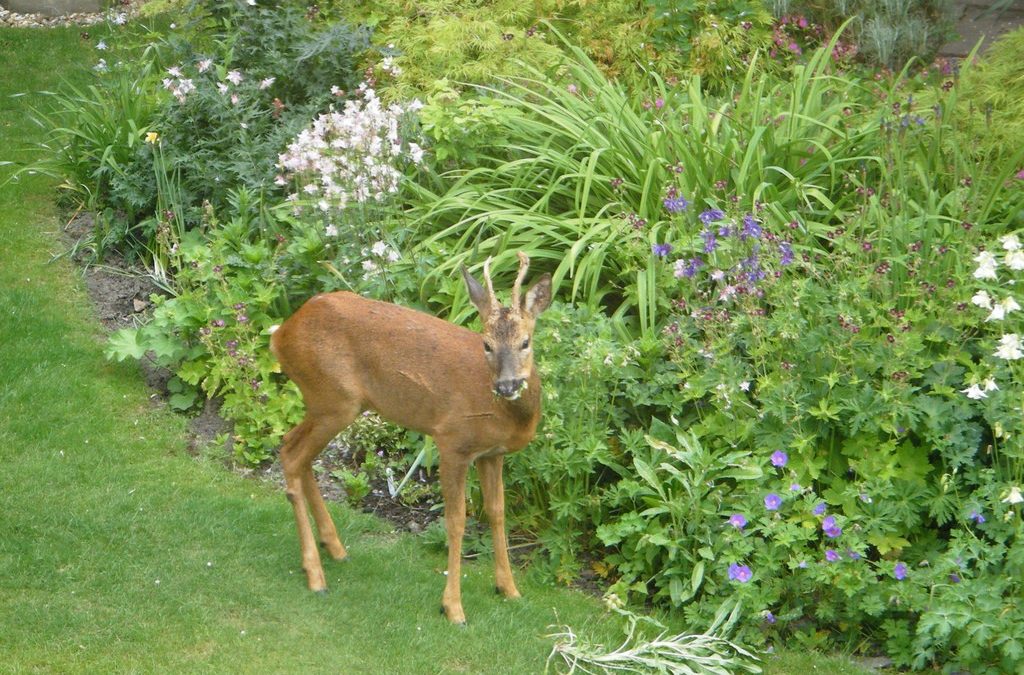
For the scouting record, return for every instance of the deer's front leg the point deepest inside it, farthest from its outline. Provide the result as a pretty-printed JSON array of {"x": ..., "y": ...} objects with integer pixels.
[
  {"x": 489, "y": 469},
  {"x": 453, "y": 489}
]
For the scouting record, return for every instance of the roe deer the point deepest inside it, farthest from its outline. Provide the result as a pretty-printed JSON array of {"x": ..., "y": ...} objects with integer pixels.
[{"x": 477, "y": 395}]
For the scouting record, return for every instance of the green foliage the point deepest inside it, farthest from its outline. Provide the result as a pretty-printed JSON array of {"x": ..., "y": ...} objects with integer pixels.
[
  {"x": 474, "y": 43},
  {"x": 711, "y": 38},
  {"x": 779, "y": 380},
  {"x": 96, "y": 139},
  {"x": 584, "y": 166},
  {"x": 991, "y": 103}
]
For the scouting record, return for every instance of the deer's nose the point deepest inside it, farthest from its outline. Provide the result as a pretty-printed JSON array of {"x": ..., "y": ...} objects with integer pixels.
[{"x": 508, "y": 388}]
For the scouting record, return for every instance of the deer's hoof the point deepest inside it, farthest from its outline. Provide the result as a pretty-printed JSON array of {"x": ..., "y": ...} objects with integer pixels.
[
  {"x": 322, "y": 592},
  {"x": 459, "y": 621}
]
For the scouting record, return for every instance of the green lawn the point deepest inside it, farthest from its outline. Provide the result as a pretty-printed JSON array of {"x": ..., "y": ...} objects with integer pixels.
[{"x": 121, "y": 553}]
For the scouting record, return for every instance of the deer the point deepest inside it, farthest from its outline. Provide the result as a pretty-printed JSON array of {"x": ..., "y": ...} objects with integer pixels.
[{"x": 478, "y": 395}]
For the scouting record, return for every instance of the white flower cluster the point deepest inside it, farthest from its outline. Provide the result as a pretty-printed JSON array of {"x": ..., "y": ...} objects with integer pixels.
[
  {"x": 1011, "y": 346},
  {"x": 350, "y": 156},
  {"x": 179, "y": 85}
]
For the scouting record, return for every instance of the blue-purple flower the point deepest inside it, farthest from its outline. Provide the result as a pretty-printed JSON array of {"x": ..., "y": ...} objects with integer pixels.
[
  {"x": 738, "y": 520},
  {"x": 772, "y": 501},
  {"x": 829, "y": 527},
  {"x": 751, "y": 228},
  {"x": 661, "y": 250},
  {"x": 819, "y": 509},
  {"x": 977, "y": 517},
  {"x": 852, "y": 555},
  {"x": 687, "y": 268},
  {"x": 779, "y": 458},
  {"x": 675, "y": 204},
  {"x": 711, "y": 215},
  {"x": 785, "y": 253},
  {"x": 740, "y": 573},
  {"x": 831, "y": 555},
  {"x": 900, "y": 571},
  {"x": 769, "y": 617},
  {"x": 710, "y": 242}
]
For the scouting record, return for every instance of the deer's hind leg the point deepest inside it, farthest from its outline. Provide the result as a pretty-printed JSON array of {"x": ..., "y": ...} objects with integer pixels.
[{"x": 301, "y": 446}]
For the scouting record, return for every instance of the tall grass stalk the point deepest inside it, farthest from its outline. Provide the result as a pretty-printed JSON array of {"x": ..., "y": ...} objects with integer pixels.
[{"x": 587, "y": 162}]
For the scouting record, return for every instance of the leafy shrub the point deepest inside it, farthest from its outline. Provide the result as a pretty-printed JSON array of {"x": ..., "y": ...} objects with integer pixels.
[
  {"x": 990, "y": 102},
  {"x": 223, "y": 95},
  {"x": 467, "y": 42}
]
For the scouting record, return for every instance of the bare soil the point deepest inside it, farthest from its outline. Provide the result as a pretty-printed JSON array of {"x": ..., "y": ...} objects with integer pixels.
[{"x": 121, "y": 297}]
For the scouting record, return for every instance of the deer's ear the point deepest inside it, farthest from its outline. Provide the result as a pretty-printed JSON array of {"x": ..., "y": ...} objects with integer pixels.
[
  {"x": 538, "y": 297},
  {"x": 476, "y": 293}
]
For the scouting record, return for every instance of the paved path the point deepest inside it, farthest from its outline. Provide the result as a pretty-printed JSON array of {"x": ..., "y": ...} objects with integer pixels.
[{"x": 982, "y": 19}]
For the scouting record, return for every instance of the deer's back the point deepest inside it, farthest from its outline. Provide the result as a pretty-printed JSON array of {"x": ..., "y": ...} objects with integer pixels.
[{"x": 414, "y": 369}]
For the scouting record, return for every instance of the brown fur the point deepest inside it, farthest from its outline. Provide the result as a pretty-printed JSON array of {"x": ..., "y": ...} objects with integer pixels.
[{"x": 348, "y": 354}]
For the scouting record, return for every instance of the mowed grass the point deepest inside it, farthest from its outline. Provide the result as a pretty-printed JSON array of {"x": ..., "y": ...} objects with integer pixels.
[{"x": 119, "y": 552}]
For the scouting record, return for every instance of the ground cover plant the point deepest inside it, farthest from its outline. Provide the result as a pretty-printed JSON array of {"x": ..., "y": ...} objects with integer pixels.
[{"x": 785, "y": 364}]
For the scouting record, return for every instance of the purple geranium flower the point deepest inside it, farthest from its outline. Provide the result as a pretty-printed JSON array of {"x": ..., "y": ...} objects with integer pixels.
[
  {"x": 785, "y": 253},
  {"x": 738, "y": 520},
  {"x": 831, "y": 555},
  {"x": 830, "y": 528},
  {"x": 772, "y": 501},
  {"x": 819, "y": 509},
  {"x": 977, "y": 517},
  {"x": 900, "y": 571},
  {"x": 769, "y": 617},
  {"x": 661, "y": 250},
  {"x": 779, "y": 458},
  {"x": 710, "y": 243},
  {"x": 740, "y": 573},
  {"x": 675, "y": 204},
  {"x": 711, "y": 215},
  {"x": 852, "y": 555},
  {"x": 751, "y": 228}
]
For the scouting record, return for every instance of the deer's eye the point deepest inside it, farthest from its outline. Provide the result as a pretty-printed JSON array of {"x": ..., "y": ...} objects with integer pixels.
[
  {"x": 526, "y": 344},
  {"x": 487, "y": 348}
]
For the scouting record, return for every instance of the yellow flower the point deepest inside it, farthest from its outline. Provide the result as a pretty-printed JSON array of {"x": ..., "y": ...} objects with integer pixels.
[{"x": 152, "y": 137}]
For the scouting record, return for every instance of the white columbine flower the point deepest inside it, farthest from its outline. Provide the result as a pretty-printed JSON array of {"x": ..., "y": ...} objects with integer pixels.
[
  {"x": 1002, "y": 308},
  {"x": 1014, "y": 496},
  {"x": 101, "y": 66},
  {"x": 1009, "y": 347},
  {"x": 990, "y": 384},
  {"x": 331, "y": 230},
  {"x": 1015, "y": 259},
  {"x": 265, "y": 84},
  {"x": 982, "y": 299},
  {"x": 234, "y": 77},
  {"x": 101, "y": 45},
  {"x": 379, "y": 249},
  {"x": 174, "y": 71},
  {"x": 975, "y": 392},
  {"x": 204, "y": 65},
  {"x": 987, "y": 265},
  {"x": 1010, "y": 242}
]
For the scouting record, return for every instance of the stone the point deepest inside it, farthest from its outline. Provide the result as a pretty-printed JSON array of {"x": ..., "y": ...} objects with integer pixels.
[{"x": 52, "y": 7}]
